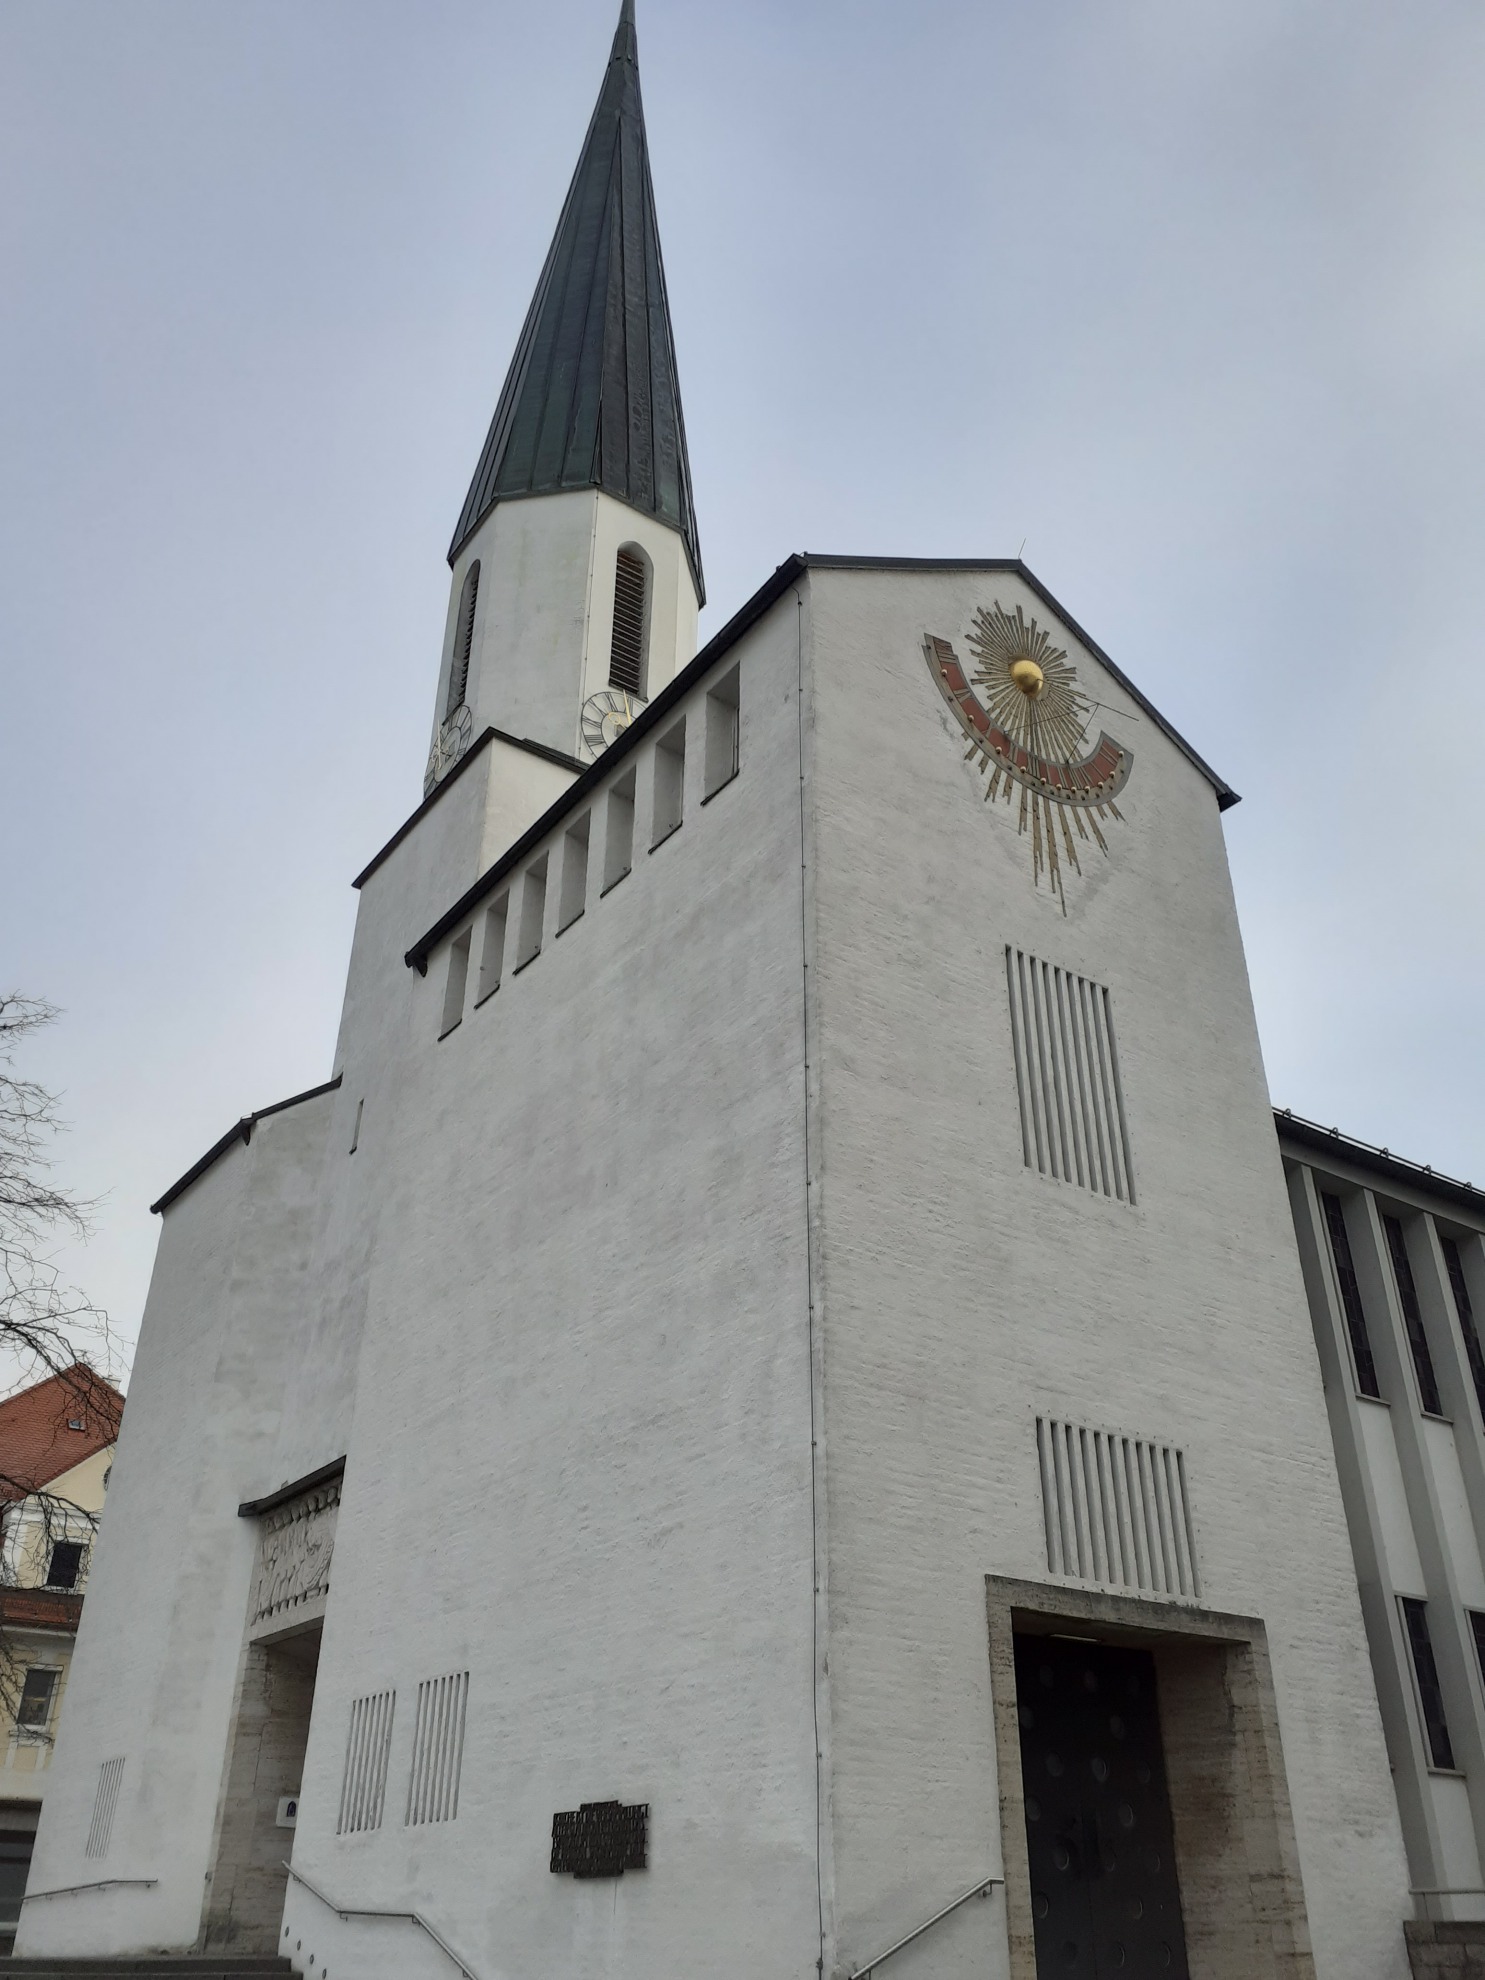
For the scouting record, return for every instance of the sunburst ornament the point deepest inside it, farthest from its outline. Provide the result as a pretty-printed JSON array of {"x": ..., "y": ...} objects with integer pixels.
[{"x": 1029, "y": 733}]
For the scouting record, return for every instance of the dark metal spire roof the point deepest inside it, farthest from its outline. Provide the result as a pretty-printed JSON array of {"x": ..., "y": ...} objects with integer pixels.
[{"x": 591, "y": 398}]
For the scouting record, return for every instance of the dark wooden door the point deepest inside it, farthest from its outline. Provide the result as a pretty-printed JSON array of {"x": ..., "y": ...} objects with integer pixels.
[{"x": 1103, "y": 1878}]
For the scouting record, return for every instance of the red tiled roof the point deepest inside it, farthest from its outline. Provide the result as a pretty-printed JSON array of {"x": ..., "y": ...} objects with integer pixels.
[{"x": 37, "y": 1443}]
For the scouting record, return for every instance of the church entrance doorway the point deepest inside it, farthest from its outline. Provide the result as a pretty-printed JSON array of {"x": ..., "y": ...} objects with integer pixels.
[
  {"x": 1168, "y": 1833},
  {"x": 260, "y": 1794},
  {"x": 1105, "y": 1897}
]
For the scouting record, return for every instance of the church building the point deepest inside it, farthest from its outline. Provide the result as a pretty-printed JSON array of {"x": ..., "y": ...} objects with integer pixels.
[{"x": 765, "y": 1418}]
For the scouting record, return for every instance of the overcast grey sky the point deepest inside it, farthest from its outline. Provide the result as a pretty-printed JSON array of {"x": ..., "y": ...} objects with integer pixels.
[{"x": 1187, "y": 294}]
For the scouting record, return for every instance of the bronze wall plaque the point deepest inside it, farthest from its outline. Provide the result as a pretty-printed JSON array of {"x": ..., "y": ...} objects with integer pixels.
[{"x": 600, "y": 1839}]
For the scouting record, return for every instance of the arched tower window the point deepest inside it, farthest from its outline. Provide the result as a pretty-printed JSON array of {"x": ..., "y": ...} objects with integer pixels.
[
  {"x": 463, "y": 640},
  {"x": 626, "y": 662}
]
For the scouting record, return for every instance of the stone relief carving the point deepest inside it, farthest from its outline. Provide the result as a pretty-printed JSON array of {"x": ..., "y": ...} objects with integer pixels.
[{"x": 295, "y": 1544}]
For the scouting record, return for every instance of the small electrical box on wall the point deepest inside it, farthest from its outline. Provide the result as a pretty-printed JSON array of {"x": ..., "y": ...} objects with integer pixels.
[{"x": 288, "y": 1811}]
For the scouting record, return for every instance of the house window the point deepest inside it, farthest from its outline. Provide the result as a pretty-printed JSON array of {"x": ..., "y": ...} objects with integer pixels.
[
  {"x": 1407, "y": 1294},
  {"x": 626, "y": 661},
  {"x": 1426, "y": 1677},
  {"x": 1345, "y": 1273},
  {"x": 34, "y": 1711},
  {"x": 65, "y": 1569},
  {"x": 463, "y": 641},
  {"x": 1477, "y": 1630},
  {"x": 1455, "y": 1266}
]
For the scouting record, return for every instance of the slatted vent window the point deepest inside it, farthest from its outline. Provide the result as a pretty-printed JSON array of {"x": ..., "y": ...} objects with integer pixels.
[
  {"x": 363, "y": 1791},
  {"x": 1067, "y": 1077},
  {"x": 626, "y": 663},
  {"x": 1116, "y": 1510},
  {"x": 105, "y": 1801},
  {"x": 463, "y": 641},
  {"x": 438, "y": 1749}
]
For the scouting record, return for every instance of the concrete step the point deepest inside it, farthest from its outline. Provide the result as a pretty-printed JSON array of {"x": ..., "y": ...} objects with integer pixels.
[{"x": 150, "y": 1966}]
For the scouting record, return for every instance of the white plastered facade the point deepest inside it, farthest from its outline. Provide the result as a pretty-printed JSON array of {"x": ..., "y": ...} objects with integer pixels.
[{"x": 684, "y": 1314}]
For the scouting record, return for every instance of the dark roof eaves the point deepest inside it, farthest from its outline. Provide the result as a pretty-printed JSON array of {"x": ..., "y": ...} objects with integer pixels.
[
  {"x": 241, "y": 1131},
  {"x": 741, "y": 621},
  {"x": 271, "y": 1501},
  {"x": 1226, "y": 795},
  {"x": 1379, "y": 1161},
  {"x": 485, "y": 736}
]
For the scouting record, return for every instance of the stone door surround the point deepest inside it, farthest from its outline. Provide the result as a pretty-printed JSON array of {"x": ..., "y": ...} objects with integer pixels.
[{"x": 1241, "y": 1894}]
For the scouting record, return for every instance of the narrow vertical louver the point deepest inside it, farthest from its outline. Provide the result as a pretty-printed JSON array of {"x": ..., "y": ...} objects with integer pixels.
[
  {"x": 1067, "y": 1077},
  {"x": 363, "y": 1790},
  {"x": 463, "y": 640},
  {"x": 1116, "y": 1510},
  {"x": 438, "y": 1749},
  {"x": 626, "y": 665},
  {"x": 105, "y": 1801}
]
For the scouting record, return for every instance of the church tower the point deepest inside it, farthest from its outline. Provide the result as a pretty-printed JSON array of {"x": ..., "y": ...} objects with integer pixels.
[{"x": 576, "y": 570}]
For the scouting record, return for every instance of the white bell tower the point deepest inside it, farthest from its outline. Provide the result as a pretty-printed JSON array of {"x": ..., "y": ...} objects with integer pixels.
[{"x": 576, "y": 567}]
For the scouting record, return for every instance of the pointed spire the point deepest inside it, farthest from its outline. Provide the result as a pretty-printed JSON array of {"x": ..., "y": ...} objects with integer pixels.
[{"x": 592, "y": 399}]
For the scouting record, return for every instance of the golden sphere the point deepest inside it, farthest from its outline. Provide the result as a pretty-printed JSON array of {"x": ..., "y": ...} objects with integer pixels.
[{"x": 1028, "y": 677}]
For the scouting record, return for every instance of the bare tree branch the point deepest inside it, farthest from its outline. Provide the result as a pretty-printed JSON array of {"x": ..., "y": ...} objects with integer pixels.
[{"x": 47, "y": 1330}]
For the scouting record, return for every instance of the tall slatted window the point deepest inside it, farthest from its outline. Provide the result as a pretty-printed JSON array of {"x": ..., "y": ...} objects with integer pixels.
[
  {"x": 1462, "y": 1306},
  {"x": 363, "y": 1788},
  {"x": 463, "y": 640},
  {"x": 1067, "y": 1077},
  {"x": 1407, "y": 1295},
  {"x": 626, "y": 663},
  {"x": 1350, "y": 1291},
  {"x": 1116, "y": 1509},
  {"x": 438, "y": 1749},
  {"x": 105, "y": 1801}
]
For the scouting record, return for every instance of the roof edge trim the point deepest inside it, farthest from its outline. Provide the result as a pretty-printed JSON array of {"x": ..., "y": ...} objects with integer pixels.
[
  {"x": 675, "y": 690},
  {"x": 251, "y": 1508},
  {"x": 1226, "y": 795},
  {"x": 241, "y": 1131},
  {"x": 1380, "y": 1161}
]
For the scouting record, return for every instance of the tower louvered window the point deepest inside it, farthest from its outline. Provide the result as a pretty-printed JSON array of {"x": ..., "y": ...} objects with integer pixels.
[
  {"x": 463, "y": 640},
  {"x": 626, "y": 664}
]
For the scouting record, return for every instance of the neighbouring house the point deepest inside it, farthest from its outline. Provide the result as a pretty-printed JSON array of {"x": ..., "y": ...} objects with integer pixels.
[{"x": 56, "y": 1450}]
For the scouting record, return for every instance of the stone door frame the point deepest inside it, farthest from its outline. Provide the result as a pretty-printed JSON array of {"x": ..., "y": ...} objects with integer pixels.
[{"x": 1236, "y": 1856}]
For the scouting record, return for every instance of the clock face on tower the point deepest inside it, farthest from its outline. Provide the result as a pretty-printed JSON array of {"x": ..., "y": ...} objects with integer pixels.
[
  {"x": 606, "y": 715},
  {"x": 453, "y": 738},
  {"x": 1027, "y": 720}
]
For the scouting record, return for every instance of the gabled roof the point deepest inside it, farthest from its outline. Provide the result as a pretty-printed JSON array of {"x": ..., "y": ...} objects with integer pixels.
[
  {"x": 592, "y": 398},
  {"x": 37, "y": 1442}
]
